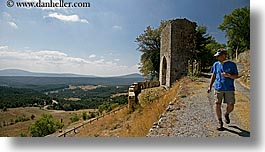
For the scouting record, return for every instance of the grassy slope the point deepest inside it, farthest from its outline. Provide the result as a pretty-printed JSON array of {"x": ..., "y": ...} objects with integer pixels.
[{"x": 138, "y": 123}]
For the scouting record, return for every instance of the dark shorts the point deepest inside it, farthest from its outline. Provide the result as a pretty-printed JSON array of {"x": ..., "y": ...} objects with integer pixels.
[{"x": 224, "y": 96}]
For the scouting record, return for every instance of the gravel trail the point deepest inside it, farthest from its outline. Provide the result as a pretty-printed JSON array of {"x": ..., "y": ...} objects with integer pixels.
[{"x": 194, "y": 116}]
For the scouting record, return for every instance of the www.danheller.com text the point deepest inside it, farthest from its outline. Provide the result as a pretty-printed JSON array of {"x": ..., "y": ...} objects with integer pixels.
[{"x": 50, "y": 3}]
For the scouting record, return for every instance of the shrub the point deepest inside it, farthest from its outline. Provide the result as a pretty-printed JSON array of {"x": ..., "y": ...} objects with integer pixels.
[
  {"x": 4, "y": 109},
  {"x": 75, "y": 118},
  {"x": 84, "y": 116},
  {"x": 44, "y": 126},
  {"x": 21, "y": 119},
  {"x": 32, "y": 117},
  {"x": 92, "y": 115},
  {"x": 23, "y": 135}
]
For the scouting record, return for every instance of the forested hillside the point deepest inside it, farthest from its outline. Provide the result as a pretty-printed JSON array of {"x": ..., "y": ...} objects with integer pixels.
[{"x": 21, "y": 97}]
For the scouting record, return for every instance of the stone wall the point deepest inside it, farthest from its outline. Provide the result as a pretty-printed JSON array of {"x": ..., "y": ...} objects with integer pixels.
[
  {"x": 136, "y": 88},
  {"x": 177, "y": 46}
]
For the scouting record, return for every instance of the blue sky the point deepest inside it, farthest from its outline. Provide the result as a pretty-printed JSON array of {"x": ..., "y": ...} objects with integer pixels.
[{"x": 99, "y": 40}]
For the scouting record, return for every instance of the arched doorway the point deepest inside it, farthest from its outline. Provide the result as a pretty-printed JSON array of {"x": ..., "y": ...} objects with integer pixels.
[{"x": 164, "y": 70}]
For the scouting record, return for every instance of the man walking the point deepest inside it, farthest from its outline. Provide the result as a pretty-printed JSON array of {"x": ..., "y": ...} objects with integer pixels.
[{"x": 223, "y": 75}]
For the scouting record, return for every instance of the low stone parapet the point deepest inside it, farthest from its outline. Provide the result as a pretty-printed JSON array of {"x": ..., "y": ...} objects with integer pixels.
[{"x": 136, "y": 88}]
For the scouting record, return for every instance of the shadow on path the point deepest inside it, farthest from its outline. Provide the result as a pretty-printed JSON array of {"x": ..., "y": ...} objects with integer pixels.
[{"x": 239, "y": 132}]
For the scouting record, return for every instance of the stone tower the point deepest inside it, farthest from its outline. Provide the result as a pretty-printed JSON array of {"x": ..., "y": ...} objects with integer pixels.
[{"x": 177, "y": 46}]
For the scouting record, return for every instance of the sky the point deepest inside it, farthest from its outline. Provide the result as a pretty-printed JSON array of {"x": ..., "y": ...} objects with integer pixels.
[{"x": 97, "y": 40}]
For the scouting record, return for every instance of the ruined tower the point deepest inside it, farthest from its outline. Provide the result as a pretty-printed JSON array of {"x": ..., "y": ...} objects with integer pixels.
[{"x": 177, "y": 46}]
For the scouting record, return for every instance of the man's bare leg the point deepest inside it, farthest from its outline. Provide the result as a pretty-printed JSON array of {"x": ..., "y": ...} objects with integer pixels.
[
  {"x": 219, "y": 113},
  {"x": 229, "y": 109}
]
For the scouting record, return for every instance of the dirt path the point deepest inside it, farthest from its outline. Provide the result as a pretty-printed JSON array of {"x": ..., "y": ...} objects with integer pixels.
[{"x": 194, "y": 115}]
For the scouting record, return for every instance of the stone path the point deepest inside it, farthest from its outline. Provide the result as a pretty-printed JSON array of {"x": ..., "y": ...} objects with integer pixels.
[{"x": 194, "y": 116}]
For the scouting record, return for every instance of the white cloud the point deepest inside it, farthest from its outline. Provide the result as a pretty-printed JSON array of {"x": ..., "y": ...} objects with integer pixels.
[
  {"x": 3, "y": 47},
  {"x": 6, "y": 15},
  {"x": 59, "y": 62},
  {"x": 100, "y": 61},
  {"x": 117, "y": 27},
  {"x": 67, "y": 18},
  {"x": 92, "y": 56},
  {"x": 13, "y": 25},
  {"x": 9, "y": 20},
  {"x": 117, "y": 60}
]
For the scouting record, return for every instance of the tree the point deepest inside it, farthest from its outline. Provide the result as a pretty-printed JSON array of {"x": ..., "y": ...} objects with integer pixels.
[
  {"x": 237, "y": 28},
  {"x": 44, "y": 126},
  {"x": 149, "y": 45},
  {"x": 205, "y": 47},
  {"x": 202, "y": 40}
]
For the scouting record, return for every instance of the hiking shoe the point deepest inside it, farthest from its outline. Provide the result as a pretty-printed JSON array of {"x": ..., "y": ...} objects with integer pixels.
[
  {"x": 221, "y": 128},
  {"x": 227, "y": 119},
  {"x": 221, "y": 123}
]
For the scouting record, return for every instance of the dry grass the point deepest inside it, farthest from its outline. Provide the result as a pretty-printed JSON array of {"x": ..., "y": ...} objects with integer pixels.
[
  {"x": 109, "y": 126},
  {"x": 132, "y": 124},
  {"x": 150, "y": 95},
  {"x": 242, "y": 110},
  {"x": 22, "y": 127}
]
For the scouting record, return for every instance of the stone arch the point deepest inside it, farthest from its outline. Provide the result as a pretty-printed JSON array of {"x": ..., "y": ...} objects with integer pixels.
[
  {"x": 164, "y": 71},
  {"x": 177, "y": 41}
]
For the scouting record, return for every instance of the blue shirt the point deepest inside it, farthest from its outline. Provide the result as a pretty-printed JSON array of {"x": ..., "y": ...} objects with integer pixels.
[{"x": 222, "y": 83}]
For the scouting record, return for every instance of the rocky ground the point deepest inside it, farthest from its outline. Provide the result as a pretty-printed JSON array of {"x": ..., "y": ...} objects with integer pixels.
[{"x": 193, "y": 115}]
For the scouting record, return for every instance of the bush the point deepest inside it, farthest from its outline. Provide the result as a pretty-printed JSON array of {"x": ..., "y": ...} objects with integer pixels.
[
  {"x": 75, "y": 118},
  {"x": 23, "y": 135},
  {"x": 32, "y": 117},
  {"x": 21, "y": 119},
  {"x": 84, "y": 116},
  {"x": 92, "y": 115},
  {"x": 44, "y": 126},
  {"x": 4, "y": 109}
]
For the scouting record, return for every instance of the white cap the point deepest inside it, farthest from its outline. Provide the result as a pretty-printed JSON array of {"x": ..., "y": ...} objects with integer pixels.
[{"x": 220, "y": 52}]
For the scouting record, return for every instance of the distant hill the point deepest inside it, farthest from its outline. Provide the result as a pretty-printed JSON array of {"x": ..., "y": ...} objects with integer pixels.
[
  {"x": 134, "y": 75},
  {"x": 43, "y": 81},
  {"x": 17, "y": 72}
]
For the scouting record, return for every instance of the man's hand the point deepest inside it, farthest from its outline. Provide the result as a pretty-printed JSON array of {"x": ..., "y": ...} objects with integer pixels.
[
  {"x": 227, "y": 75},
  {"x": 209, "y": 89}
]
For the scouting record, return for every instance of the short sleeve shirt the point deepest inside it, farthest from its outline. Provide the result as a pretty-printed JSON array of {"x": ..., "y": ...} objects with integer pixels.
[{"x": 222, "y": 83}]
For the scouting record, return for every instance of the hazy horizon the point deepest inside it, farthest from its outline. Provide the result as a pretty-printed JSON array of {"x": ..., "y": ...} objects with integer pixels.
[{"x": 62, "y": 73}]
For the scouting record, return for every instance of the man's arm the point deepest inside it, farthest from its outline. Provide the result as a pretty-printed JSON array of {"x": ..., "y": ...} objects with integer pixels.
[
  {"x": 234, "y": 74},
  {"x": 211, "y": 82},
  {"x": 227, "y": 75}
]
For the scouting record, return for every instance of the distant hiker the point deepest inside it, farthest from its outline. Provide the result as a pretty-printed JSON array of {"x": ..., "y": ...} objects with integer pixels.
[{"x": 223, "y": 75}]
